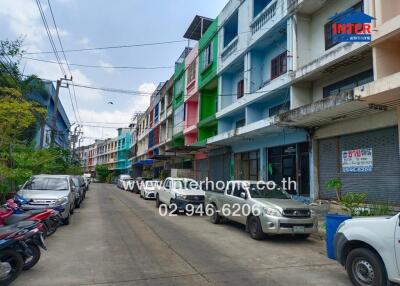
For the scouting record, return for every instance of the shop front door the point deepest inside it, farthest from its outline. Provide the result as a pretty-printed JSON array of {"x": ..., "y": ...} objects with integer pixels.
[{"x": 290, "y": 162}]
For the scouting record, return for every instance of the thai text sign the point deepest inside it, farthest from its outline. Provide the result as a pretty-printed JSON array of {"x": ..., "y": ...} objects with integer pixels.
[{"x": 357, "y": 161}]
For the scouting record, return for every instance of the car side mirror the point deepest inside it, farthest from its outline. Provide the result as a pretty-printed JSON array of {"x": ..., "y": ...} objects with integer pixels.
[
  {"x": 243, "y": 195},
  {"x": 19, "y": 187}
]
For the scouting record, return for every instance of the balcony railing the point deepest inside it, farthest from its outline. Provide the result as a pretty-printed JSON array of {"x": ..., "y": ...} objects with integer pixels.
[
  {"x": 292, "y": 5},
  {"x": 263, "y": 18},
  {"x": 229, "y": 49}
]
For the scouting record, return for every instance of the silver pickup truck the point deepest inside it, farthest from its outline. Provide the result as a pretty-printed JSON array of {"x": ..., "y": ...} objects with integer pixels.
[{"x": 261, "y": 210}]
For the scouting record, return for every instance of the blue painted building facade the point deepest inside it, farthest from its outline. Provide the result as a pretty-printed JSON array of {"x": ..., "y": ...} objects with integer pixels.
[
  {"x": 254, "y": 87},
  {"x": 43, "y": 134},
  {"x": 123, "y": 150}
]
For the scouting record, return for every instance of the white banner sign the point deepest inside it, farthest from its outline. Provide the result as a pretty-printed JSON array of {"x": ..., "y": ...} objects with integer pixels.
[{"x": 357, "y": 161}]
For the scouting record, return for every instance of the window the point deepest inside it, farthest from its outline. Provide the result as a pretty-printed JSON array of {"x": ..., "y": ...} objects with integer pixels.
[
  {"x": 207, "y": 56},
  {"x": 179, "y": 86},
  {"x": 167, "y": 184},
  {"x": 240, "y": 88},
  {"x": 329, "y": 43},
  {"x": 279, "y": 65},
  {"x": 246, "y": 165},
  {"x": 240, "y": 123},
  {"x": 47, "y": 183},
  {"x": 231, "y": 29},
  {"x": 192, "y": 72},
  {"x": 348, "y": 83},
  {"x": 237, "y": 191},
  {"x": 179, "y": 115}
]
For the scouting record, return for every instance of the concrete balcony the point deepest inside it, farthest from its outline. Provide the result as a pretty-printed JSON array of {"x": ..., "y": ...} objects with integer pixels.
[
  {"x": 374, "y": 97},
  {"x": 247, "y": 99},
  {"x": 336, "y": 55},
  {"x": 249, "y": 131},
  {"x": 230, "y": 49},
  {"x": 263, "y": 18}
]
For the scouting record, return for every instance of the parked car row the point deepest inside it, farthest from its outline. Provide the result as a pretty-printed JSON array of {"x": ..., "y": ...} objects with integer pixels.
[
  {"x": 369, "y": 248},
  {"x": 261, "y": 210},
  {"x": 41, "y": 205}
]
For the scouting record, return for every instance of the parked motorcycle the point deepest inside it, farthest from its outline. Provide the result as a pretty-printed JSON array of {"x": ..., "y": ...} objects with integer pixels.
[
  {"x": 19, "y": 249},
  {"x": 14, "y": 213}
]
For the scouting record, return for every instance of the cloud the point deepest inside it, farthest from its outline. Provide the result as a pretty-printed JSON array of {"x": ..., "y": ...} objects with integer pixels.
[
  {"x": 105, "y": 64},
  {"x": 24, "y": 19},
  {"x": 116, "y": 117}
]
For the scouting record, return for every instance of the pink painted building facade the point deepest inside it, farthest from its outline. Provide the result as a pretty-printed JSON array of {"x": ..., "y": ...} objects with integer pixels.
[{"x": 191, "y": 97}]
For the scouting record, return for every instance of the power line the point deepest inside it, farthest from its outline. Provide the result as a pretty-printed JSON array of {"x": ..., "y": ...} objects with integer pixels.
[
  {"x": 111, "y": 47},
  {"x": 39, "y": 5},
  {"x": 103, "y": 67},
  {"x": 66, "y": 61}
]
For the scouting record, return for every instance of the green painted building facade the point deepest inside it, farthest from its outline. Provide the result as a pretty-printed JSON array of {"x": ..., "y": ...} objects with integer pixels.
[
  {"x": 178, "y": 101},
  {"x": 208, "y": 83}
]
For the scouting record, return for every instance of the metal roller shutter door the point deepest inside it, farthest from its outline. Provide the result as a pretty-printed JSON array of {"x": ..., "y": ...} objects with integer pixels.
[
  {"x": 201, "y": 169},
  {"x": 219, "y": 167},
  {"x": 383, "y": 183}
]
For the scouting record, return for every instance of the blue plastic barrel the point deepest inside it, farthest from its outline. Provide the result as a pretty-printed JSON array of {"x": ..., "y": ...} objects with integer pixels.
[{"x": 332, "y": 223}]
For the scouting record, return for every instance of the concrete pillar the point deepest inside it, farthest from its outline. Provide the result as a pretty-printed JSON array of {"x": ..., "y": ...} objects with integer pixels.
[
  {"x": 263, "y": 164},
  {"x": 291, "y": 44},
  {"x": 247, "y": 73},
  {"x": 220, "y": 92},
  {"x": 314, "y": 169}
]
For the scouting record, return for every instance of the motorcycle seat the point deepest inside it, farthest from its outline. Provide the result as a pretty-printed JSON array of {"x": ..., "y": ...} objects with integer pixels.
[
  {"x": 33, "y": 212},
  {"x": 6, "y": 229},
  {"x": 16, "y": 218}
]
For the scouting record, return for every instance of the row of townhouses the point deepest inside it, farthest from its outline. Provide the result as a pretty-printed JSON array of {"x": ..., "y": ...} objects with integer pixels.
[
  {"x": 269, "y": 92},
  {"x": 112, "y": 152}
]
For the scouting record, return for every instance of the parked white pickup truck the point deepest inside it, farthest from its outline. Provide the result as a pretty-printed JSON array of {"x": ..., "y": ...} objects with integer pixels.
[
  {"x": 177, "y": 193},
  {"x": 262, "y": 211},
  {"x": 369, "y": 248}
]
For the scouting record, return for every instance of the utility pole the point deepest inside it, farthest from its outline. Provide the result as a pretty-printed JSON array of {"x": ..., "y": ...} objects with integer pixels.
[{"x": 74, "y": 139}]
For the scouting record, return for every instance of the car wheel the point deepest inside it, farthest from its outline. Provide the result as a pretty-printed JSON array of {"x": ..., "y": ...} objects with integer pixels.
[
  {"x": 67, "y": 220},
  {"x": 365, "y": 268},
  {"x": 173, "y": 208},
  {"x": 215, "y": 217},
  {"x": 254, "y": 227},
  {"x": 158, "y": 202},
  {"x": 31, "y": 260}
]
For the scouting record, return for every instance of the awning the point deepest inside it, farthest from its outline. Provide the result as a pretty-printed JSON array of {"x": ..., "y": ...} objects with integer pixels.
[{"x": 147, "y": 162}]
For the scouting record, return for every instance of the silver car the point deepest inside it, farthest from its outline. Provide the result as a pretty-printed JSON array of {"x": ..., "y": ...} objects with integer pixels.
[
  {"x": 261, "y": 210},
  {"x": 52, "y": 191}
]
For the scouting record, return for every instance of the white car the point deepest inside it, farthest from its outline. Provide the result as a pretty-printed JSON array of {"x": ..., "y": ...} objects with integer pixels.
[
  {"x": 369, "y": 249},
  {"x": 122, "y": 179},
  {"x": 147, "y": 189},
  {"x": 177, "y": 193}
]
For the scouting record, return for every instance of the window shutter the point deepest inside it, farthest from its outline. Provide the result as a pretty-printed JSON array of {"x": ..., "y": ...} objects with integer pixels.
[{"x": 240, "y": 88}]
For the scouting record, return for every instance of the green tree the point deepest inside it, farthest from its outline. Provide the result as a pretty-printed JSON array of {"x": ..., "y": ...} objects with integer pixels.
[{"x": 102, "y": 173}]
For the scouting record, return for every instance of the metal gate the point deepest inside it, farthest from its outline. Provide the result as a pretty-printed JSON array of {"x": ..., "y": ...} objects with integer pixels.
[{"x": 382, "y": 184}]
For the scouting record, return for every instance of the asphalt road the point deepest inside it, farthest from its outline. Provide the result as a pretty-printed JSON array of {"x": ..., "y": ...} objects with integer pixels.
[{"x": 116, "y": 238}]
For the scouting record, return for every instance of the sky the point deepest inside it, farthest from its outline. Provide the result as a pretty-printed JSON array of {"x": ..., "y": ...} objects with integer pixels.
[{"x": 99, "y": 23}]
